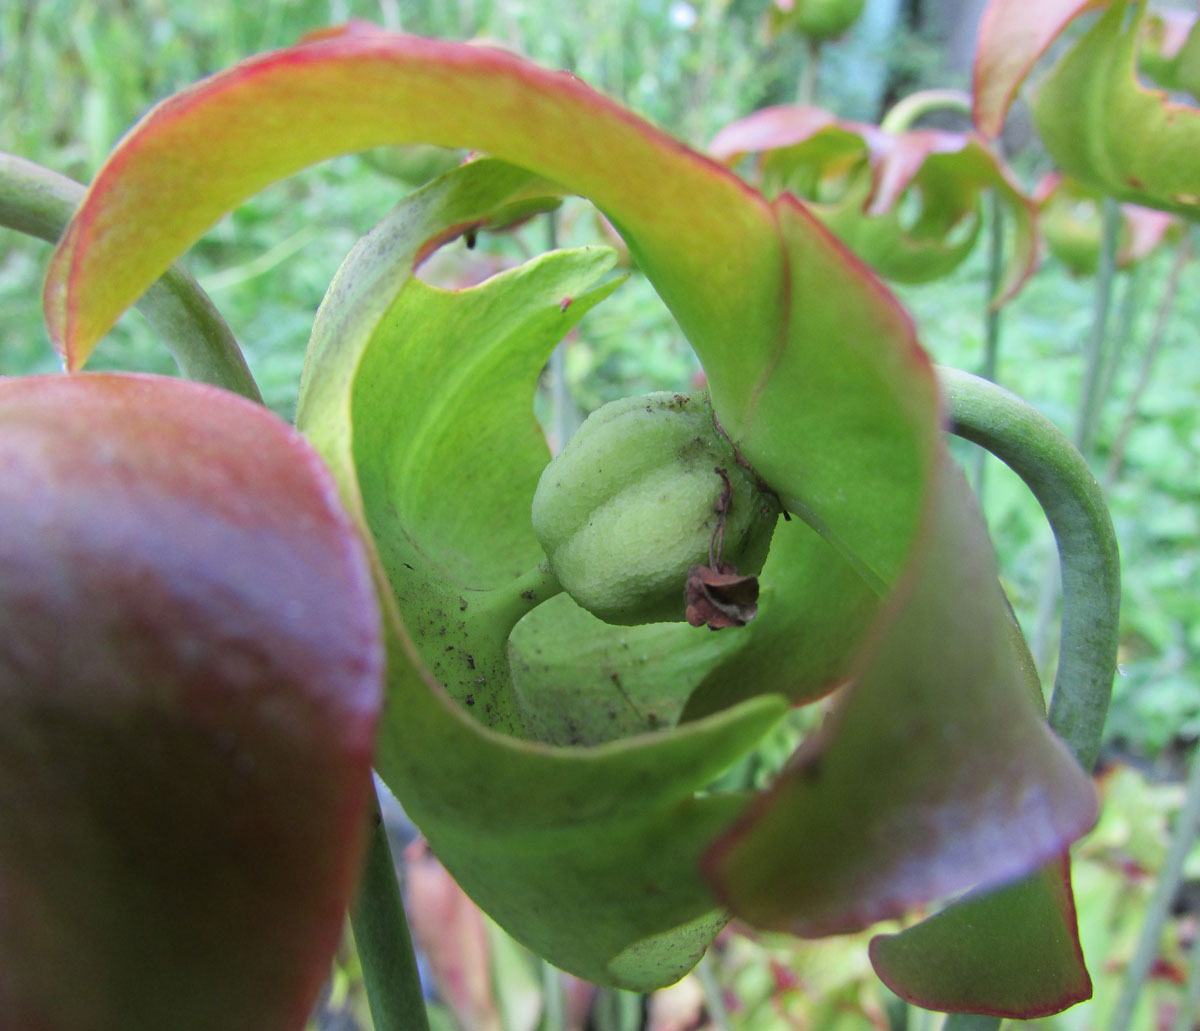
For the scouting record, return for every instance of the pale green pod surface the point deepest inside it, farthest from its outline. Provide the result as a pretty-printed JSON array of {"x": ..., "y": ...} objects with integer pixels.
[{"x": 632, "y": 503}]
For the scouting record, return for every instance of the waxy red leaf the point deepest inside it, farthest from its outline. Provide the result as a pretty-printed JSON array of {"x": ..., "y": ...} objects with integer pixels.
[{"x": 190, "y": 676}]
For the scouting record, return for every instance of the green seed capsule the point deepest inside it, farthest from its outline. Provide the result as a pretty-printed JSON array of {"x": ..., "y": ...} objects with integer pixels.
[{"x": 632, "y": 504}]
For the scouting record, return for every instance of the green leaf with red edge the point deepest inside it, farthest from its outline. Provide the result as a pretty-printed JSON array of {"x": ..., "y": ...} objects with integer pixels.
[
  {"x": 864, "y": 182},
  {"x": 190, "y": 680},
  {"x": 1011, "y": 952},
  {"x": 1105, "y": 129},
  {"x": 875, "y": 782},
  {"x": 1013, "y": 34},
  {"x": 815, "y": 374}
]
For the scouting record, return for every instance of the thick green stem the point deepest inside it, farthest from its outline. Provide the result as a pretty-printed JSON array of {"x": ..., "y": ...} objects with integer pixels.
[
  {"x": 1169, "y": 879},
  {"x": 39, "y": 202},
  {"x": 507, "y": 604},
  {"x": 1034, "y": 448},
  {"x": 383, "y": 940}
]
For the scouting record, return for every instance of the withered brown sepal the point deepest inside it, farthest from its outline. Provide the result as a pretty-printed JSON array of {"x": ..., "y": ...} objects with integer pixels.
[{"x": 721, "y": 597}]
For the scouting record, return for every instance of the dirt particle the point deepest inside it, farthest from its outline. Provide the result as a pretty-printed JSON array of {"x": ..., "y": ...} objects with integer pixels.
[{"x": 470, "y": 699}]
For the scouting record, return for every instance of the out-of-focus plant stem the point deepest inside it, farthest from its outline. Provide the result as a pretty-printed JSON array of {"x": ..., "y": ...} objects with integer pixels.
[
  {"x": 383, "y": 940},
  {"x": 38, "y": 202},
  {"x": 553, "y": 1008},
  {"x": 991, "y": 316},
  {"x": 806, "y": 92},
  {"x": 617, "y": 1010},
  {"x": 1185, "y": 1019},
  {"x": 1169, "y": 879},
  {"x": 1090, "y": 401},
  {"x": 1116, "y": 458},
  {"x": 1132, "y": 298},
  {"x": 714, "y": 999}
]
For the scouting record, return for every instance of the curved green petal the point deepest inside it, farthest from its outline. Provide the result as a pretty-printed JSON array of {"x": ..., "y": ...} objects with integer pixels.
[
  {"x": 190, "y": 679},
  {"x": 584, "y": 854},
  {"x": 1105, "y": 129}
]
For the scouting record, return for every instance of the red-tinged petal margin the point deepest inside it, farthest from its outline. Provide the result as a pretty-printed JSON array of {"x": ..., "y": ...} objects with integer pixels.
[
  {"x": 190, "y": 678},
  {"x": 1013, "y": 34},
  {"x": 203, "y": 151},
  {"x": 1012, "y": 952}
]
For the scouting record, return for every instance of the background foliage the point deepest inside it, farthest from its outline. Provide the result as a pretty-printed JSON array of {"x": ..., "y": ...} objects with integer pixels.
[{"x": 77, "y": 74}]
